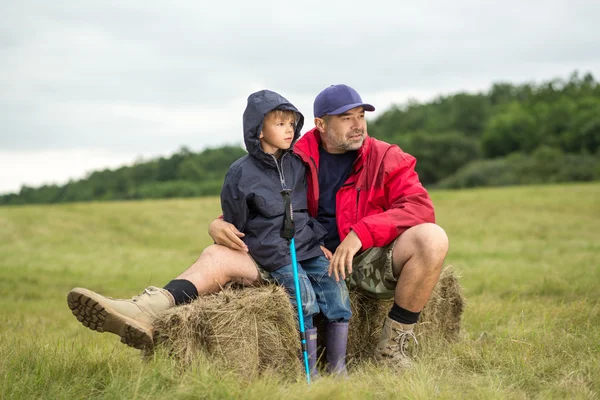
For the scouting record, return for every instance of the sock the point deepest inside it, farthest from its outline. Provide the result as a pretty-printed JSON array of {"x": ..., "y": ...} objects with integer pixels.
[
  {"x": 183, "y": 291},
  {"x": 403, "y": 316}
]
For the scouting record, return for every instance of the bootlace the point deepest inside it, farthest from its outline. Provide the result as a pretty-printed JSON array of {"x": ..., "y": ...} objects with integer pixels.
[
  {"x": 148, "y": 290},
  {"x": 402, "y": 338}
]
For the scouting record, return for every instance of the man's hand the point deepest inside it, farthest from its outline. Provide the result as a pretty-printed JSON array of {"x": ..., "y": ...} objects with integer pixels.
[
  {"x": 342, "y": 258},
  {"x": 326, "y": 252},
  {"x": 226, "y": 234}
]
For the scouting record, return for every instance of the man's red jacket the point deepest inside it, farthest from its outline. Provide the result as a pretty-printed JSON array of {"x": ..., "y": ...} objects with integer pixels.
[{"x": 382, "y": 197}]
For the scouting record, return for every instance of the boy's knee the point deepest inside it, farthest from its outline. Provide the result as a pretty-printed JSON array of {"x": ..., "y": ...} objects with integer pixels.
[{"x": 309, "y": 298}]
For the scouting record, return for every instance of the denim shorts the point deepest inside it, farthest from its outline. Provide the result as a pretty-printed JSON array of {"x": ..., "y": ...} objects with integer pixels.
[{"x": 319, "y": 291}]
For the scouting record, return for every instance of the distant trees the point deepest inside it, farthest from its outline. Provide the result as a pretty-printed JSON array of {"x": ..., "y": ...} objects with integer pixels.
[
  {"x": 439, "y": 155},
  {"x": 183, "y": 174},
  {"x": 512, "y": 134},
  {"x": 498, "y": 137},
  {"x": 544, "y": 165}
]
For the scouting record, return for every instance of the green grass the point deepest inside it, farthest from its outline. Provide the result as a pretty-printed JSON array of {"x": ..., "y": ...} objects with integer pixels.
[{"x": 529, "y": 259}]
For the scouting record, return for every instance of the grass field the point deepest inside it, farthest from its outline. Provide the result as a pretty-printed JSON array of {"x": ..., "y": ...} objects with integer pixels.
[{"x": 529, "y": 259}]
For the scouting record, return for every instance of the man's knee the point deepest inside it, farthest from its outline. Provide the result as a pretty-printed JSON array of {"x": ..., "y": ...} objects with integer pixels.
[
  {"x": 431, "y": 240},
  {"x": 213, "y": 252},
  {"x": 227, "y": 262},
  {"x": 217, "y": 255},
  {"x": 428, "y": 242}
]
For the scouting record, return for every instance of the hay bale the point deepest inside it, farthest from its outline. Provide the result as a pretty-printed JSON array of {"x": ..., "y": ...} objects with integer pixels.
[
  {"x": 440, "y": 319},
  {"x": 248, "y": 331},
  {"x": 254, "y": 329}
]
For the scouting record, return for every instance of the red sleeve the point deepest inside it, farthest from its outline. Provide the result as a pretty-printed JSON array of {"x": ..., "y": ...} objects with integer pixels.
[{"x": 408, "y": 204}]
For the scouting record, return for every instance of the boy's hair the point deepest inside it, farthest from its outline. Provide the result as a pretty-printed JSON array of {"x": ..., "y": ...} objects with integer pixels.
[{"x": 283, "y": 114}]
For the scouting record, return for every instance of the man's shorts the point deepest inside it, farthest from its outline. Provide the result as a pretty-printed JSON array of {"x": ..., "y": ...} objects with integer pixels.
[{"x": 371, "y": 272}]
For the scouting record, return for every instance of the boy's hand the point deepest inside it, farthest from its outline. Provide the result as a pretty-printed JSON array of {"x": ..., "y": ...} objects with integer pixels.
[
  {"x": 342, "y": 258},
  {"x": 227, "y": 235},
  {"x": 326, "y": 252}
]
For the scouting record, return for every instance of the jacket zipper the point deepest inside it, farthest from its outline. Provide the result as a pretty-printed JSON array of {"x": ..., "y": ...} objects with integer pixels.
[
  {"x": 280, "y": 169},
  {"x": 357, "y": 199}
]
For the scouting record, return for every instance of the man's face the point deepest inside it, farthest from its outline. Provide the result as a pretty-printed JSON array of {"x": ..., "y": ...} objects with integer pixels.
[{"x": 344, "y": 132}]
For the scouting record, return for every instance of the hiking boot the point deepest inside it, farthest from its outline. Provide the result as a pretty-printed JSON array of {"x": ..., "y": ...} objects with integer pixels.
[
  {"x": 394, "y": 343},
  {"x": 130, "y": 319}
]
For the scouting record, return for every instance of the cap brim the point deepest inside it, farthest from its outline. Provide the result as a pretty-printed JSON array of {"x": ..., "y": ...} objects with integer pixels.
[{"x": 343, "y": 109}]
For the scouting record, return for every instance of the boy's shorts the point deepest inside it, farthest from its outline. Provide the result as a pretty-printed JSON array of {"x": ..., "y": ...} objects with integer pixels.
[{"x": 371, "y": 272}]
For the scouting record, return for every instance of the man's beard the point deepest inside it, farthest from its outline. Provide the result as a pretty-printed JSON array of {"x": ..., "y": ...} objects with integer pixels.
[
  {"x": 343, "y": 142},
  {"x": 354, "y": 145}
]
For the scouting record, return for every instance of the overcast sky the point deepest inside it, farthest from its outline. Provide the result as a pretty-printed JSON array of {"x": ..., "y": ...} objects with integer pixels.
[{"x": 86, "y": 85}]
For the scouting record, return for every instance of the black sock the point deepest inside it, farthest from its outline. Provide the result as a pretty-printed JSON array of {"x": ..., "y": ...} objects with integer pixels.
[
  {"x": 402, "y": 315},
  {"x": 183, "y": 291}
]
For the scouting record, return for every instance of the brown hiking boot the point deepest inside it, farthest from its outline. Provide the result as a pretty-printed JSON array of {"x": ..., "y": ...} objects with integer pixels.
[
  {"x": 130, "y": 319},
  {"x": 394, "y": 343}
]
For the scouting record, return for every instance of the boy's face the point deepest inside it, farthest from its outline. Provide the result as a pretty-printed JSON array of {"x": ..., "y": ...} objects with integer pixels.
[
  {"x": 344, "y": 132},
  {"x": 277, "y": 131}
]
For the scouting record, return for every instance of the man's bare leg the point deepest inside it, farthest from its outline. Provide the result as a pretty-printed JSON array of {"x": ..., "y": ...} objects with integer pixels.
[
  {"x": 417, "y": 261},
  {"x": 219, "y": 265},
  {"x": 131, "y": 319}
]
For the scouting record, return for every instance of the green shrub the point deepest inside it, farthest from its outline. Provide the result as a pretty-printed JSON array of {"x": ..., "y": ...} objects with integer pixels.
[
  {"x": 439, "y": 155},
  {"x": 544, "y": 165}
]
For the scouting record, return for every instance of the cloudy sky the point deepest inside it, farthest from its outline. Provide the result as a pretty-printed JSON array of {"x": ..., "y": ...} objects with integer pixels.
[{"x": 86, "y": 85}]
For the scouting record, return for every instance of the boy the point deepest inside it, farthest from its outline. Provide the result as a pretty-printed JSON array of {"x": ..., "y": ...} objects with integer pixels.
[{"x": 251, "y": 200}]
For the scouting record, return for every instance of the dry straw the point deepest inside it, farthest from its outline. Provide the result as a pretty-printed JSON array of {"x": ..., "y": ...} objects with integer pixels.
[
  {"x": 254, "y": 329},
  {"x": 439, "y": 320}
]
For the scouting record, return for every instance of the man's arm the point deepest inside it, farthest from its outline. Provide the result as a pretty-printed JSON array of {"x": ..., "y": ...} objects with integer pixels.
[
  {"x": 408, "y": 205},
  {"x": 342, "y": 258}
]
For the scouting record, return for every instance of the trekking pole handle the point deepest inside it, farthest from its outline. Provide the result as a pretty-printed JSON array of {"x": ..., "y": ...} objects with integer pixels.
[{"x": 288, "y": 228}]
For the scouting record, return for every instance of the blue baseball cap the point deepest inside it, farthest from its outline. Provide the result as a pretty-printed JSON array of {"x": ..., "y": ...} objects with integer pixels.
[{"x": 337, "y": 99}]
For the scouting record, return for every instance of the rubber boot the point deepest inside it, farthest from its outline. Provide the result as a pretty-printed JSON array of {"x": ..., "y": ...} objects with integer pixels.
[
  {"x": 130, "y": 319},
  {"x": 337, "y": 340},
  {"x": 311, "y": 349}
]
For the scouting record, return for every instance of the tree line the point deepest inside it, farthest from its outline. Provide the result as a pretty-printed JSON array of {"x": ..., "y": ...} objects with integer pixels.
[
  {"x": 183, "y": 174},
  {"x": 511, "y": 134}
]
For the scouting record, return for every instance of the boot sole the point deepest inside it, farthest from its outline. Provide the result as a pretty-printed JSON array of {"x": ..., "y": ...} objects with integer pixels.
[{"x": 100, "y": 318}]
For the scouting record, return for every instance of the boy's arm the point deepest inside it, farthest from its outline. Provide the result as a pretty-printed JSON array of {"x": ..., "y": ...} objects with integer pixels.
[
  {"x": 233, "y": 201},
  {"x": 318, "y": 229},
  {"x": 226, "y": 234}
]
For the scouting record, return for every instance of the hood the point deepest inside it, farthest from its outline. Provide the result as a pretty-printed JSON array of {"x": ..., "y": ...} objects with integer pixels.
[{"x": 259, "y": 105}]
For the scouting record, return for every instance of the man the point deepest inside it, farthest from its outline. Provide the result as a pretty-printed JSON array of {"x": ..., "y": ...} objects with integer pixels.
[{"x": 381, "y": 228}]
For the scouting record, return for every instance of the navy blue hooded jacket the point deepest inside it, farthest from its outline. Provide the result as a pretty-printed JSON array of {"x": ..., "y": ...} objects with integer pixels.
[{"x": 251, "y": 198}]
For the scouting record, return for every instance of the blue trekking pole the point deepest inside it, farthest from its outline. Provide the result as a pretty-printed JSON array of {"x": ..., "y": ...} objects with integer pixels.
[{"x": 287, "y": 232}]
